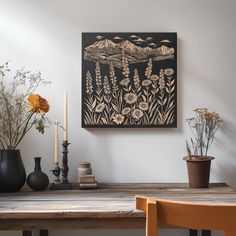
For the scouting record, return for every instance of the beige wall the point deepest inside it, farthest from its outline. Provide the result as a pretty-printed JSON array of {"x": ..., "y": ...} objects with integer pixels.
[{"x": 46, "y": 35}]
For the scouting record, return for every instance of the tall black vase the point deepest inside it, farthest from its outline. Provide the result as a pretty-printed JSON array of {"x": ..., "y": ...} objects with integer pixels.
[
  {"x": 12, "y": 171},
  {"x": 37, "y": 180}
]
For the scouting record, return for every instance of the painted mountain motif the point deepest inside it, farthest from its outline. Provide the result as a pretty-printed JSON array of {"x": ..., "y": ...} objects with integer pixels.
[
  {"x": 129, "y": 80},
  {"x": 106, "y": 52}
]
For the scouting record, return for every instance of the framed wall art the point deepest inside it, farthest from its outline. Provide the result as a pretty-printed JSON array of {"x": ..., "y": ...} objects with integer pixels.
[{"x": 129, "y": 80}]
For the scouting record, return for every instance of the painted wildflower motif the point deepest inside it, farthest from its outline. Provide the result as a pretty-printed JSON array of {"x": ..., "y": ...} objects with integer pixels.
[
  {"x": 130, "y": 98},
  {"x": 126, "y": 111},
  {"x": 154, "y": 77},
  {"x": 118, "y": 119},
  {"x": 143, "y": 106},
  {"x": 100, "y": 107},
  {"x": 127, "y": 81},
  {"x": 146, "y": 82},
  {"x": 137, "y": 114}
]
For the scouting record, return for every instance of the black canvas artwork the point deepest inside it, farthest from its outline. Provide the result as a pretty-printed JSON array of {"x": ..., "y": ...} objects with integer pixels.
[{"x": 129, "y": 80}]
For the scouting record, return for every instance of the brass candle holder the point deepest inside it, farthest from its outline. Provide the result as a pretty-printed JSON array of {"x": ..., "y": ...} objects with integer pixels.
[{"x": 64, "y": 184}]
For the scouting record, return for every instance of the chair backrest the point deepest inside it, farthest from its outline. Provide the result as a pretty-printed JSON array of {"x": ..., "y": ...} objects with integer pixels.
[{"x": 187, "y": 215}]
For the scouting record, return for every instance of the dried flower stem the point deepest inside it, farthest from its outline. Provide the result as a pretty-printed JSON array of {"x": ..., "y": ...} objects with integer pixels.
[
  {"x": 15, "y": 119},
  {"x": 203, "y": 126}
]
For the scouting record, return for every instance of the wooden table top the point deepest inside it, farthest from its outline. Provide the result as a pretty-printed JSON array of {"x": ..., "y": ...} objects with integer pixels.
[{"x": 110, "y": 201}]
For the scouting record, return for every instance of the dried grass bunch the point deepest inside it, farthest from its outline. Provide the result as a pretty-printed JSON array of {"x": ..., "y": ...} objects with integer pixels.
[
  {"x": 20, "y": 108},
  {"x": 203, "y": 126}
]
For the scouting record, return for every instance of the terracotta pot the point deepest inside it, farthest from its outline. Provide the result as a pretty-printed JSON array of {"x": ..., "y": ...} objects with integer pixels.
[{"x": 198, "y": 171}]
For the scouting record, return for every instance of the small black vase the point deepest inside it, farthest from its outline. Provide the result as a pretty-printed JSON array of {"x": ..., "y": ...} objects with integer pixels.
[
  {"x": 37, "y": 180},
  {"x": 12, "y": 171}
]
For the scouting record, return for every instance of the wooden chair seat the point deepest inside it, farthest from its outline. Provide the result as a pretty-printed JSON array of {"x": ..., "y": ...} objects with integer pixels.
[{"x": 187, "y": 215}]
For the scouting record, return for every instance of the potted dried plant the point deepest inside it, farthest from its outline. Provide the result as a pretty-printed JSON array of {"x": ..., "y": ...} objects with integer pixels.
[
  {"x": 20, "y": 110},
  {"x": 203, "y": 126}
]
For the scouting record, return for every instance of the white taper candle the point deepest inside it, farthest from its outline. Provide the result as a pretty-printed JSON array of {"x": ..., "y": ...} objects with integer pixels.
[
  {"x": 56, "y": 150},
  {"x": 65, "y": 118}
]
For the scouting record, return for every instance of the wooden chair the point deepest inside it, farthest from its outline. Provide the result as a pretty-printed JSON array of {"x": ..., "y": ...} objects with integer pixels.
[{"x": 187, "y": 215}]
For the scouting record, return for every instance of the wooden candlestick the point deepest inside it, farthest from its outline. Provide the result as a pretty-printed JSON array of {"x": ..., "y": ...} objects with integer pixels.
[
  {"x": 65, "y": 185},
  {"x": 65, "y": 168}
]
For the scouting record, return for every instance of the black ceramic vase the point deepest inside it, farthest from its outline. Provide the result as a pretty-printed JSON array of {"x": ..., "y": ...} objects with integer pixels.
[
  {"x": 37, "y": 180},
  {"x": 12, "y": 171}
]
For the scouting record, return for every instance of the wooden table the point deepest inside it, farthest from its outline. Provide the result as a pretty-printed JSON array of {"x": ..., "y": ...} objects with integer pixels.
[{"x": 110, "y": 206}]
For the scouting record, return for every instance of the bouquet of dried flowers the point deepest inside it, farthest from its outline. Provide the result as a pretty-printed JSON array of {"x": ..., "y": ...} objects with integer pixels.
[
  {"x": 203, "y": 126},
  {"x": 20, "y": 108}
]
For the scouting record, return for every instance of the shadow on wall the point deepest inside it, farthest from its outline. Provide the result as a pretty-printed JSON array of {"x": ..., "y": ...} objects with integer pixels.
[
  {"x": 104, "y": 136},
  {"x": 226, "y": 169},
  {"x": 99, "y": 155}
]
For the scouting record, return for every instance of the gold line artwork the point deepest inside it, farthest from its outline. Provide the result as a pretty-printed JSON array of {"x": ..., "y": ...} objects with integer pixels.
[{"x": 129, "y": 80}]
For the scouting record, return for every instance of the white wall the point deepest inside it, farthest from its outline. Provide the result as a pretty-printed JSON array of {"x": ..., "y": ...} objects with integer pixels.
[{"x": 46, "y": 35}]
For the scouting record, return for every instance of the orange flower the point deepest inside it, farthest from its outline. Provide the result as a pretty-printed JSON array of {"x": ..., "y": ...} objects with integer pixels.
[{"x": 38, "y": 104}]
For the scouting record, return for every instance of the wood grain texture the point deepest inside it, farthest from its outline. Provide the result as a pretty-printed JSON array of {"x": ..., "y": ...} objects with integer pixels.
[{"x": 110, "y": 206}]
